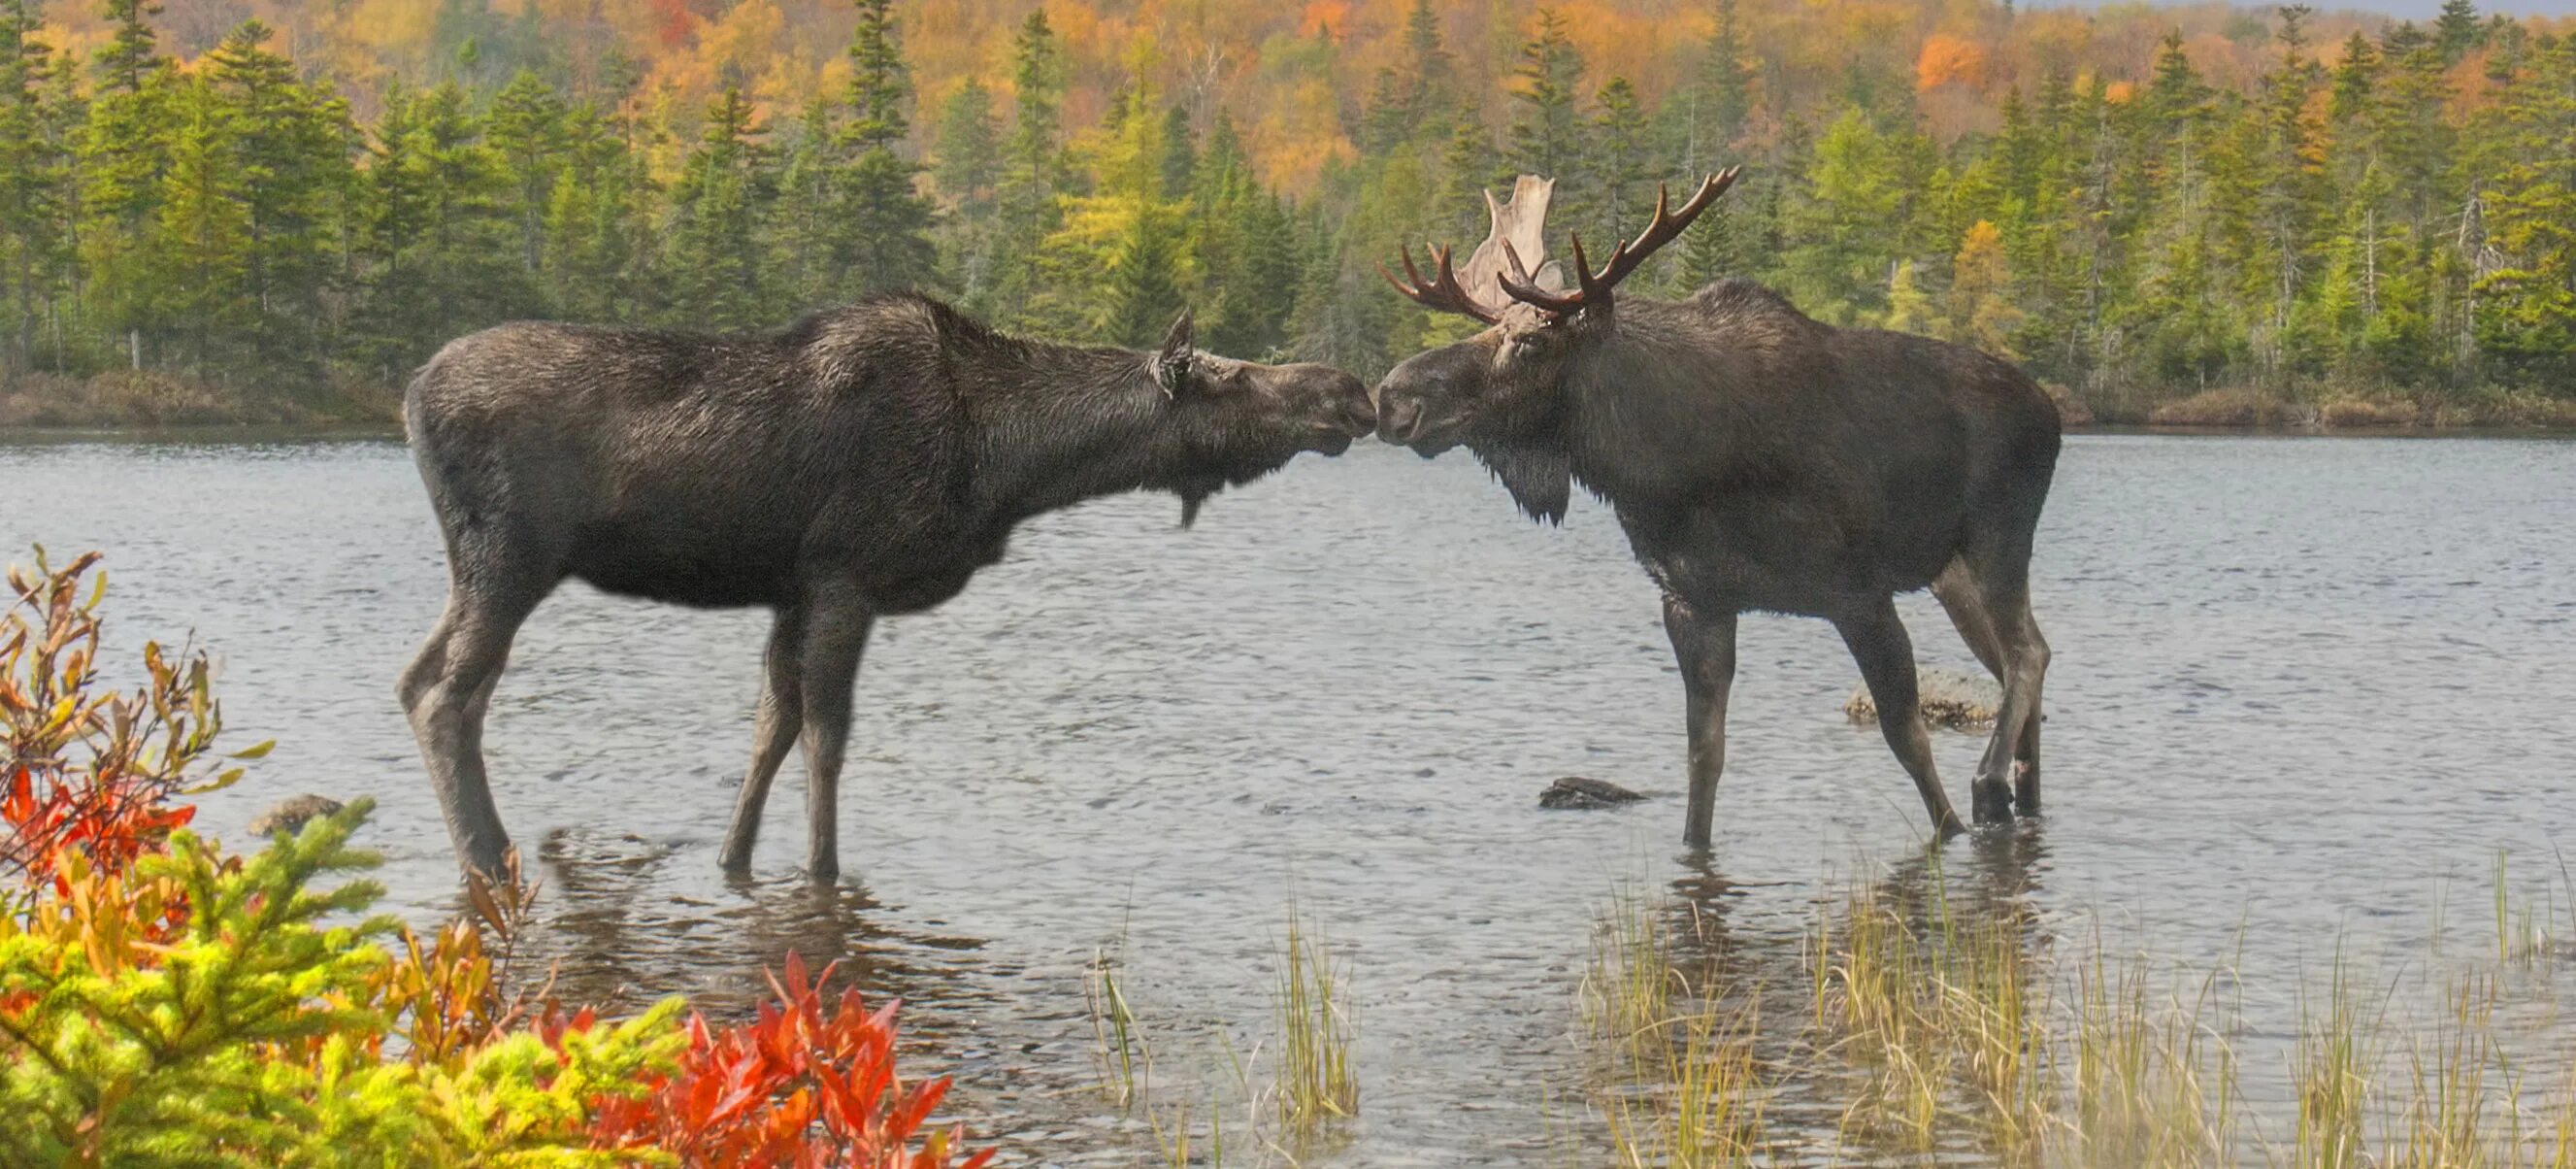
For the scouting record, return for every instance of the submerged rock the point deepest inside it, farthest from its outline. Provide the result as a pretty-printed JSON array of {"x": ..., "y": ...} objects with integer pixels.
[
  {"x": 1575, "y": 791},
  {"x": 291, "y": 814},
  {"x": 1950, "y": 700}
]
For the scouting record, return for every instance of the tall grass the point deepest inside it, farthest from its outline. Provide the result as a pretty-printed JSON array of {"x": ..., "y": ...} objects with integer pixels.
[
  {"x": 1119, "y": 1045},
  {"x": 2149, "y": 1082},
  {"x": 1676, "y": 1085},
  {"x": 1316, "y": 1080},
  {"x": 1941, "y": 1016}
]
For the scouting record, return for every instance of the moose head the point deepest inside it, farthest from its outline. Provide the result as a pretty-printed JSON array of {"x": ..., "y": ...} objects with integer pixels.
[{"x": 1504, "y": 385}]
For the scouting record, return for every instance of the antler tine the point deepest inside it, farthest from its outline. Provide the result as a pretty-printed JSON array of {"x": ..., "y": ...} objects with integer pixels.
[
  {"x": 1594, "y": 287},
  {"x": 1442, "y": 291},
  {"x": 1666, "y": 225},
  {"x": 1526, "y": 290}
]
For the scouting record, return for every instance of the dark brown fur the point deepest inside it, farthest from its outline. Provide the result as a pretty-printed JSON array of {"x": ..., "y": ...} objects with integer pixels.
[
  {"x": 863, "y": 462},
  {"x": 1761, "y": 460}
]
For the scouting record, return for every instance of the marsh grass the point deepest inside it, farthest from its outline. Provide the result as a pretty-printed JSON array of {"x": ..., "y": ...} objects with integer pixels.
[
  {"x": 2148, "y": 1077},
  {"x": 1941, "y": 1016},
  {"x": 1119, "y": 1045},
  {"x": 1675, "y": 1084},
  {"x": 2523, "y": 931},
  {"x": 1316, "y": 1081}
]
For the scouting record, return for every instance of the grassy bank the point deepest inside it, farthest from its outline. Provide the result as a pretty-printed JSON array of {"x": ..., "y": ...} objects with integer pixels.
[
  {"x": 151, "y": 399},
  {"x": 2247, "y": 408},
  {"x": 147, "y": 399},
  {"x": 1917, "y": 1025}
]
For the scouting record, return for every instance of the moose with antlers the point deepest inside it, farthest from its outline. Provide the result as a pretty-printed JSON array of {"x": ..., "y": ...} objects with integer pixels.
[{"x": 1758, "y": 460}]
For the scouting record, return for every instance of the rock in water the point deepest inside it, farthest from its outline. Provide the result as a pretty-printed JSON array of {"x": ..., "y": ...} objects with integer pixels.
[
  {"x": 1575, "y": 791},
  {"x": 290, "y": 815},
  {"x": 1949, "y": 700}
]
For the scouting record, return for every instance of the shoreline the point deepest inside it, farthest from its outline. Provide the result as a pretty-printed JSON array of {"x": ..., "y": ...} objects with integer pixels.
[{"x": 392, "y": 431}]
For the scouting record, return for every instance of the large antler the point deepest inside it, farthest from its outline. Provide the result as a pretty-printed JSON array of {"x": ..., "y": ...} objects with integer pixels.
[
  {"x": 1593, "y": 288},
  {"x": 1477, "y": 290},
  {"x": 1442, "y": 291}
]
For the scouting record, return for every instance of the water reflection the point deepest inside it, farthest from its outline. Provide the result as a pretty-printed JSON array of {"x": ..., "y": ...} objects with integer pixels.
[{"x": 628, "y": 920}]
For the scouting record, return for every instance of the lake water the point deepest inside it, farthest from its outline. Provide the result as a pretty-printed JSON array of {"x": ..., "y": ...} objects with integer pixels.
[{"x": 2304, "y": 690}]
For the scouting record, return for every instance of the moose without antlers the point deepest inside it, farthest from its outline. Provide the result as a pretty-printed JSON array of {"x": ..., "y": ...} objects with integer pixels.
[
  {"x": 1758, "y": 460},
  {"x": 864, "y": 462}
]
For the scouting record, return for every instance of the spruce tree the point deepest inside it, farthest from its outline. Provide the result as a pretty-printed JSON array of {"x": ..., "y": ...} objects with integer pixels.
[
  {"x": 1032, "y": 174},
  {"x": 886, "y": 220},
  {"x": 1722, "y": 95},
  {"x": 527, "y": 127},
  {"x": 721, "y": 202},
  {"x": 1547, "y": 132},
  {"x": 31, "y": 184},
  {"x": 290, "y": 148}
]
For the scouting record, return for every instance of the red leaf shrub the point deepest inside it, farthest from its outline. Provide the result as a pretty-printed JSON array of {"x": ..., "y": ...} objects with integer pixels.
[{"x": 809, "y": 1084}]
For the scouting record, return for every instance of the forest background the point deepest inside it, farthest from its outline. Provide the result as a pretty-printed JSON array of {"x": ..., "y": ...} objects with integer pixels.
[{"x": 274, "y": 209}]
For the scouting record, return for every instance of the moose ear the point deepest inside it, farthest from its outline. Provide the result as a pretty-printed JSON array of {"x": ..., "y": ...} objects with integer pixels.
[{"x": 1172, "y": 363}]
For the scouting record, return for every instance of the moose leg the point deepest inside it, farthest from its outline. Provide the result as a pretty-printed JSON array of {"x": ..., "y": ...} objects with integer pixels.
[
  {"x": 1957, "y": 589},
  {"x": 1886, "y": 658},
  {"x": 782, "y": 716},
  {"x": 1961, "y": 595},
  {"x": 1999, "y": 567},
  {"x": 1704, "y": 645},
  {"x": 446, "y": 691},
  {"x": 836, "y": 633},
  {"x": 2026, "y": 658}
]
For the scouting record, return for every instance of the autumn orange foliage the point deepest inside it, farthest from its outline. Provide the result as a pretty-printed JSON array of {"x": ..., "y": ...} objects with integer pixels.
[
  {"x": 810, "y": 1083},
  {"x": 1946, "y": 58},
  {"x": 1285, "y": 72}
]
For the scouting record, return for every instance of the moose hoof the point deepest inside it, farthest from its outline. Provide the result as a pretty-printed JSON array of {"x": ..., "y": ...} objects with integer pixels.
[{"x": 1994, "y": 800}]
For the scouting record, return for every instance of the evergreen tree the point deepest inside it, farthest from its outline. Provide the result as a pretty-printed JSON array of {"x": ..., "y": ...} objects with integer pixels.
[
  {"x": 2528, "y": 314},
  {"x": 2457, "y": 30},
  {"x": 886, "y": 219},
  {"x": 1547, "y": 132},
  {"x": 197, "y": 253},
  {"x": 722, "y": 201},
  {"x": 1622, "y": 169},
  {"x": 527, "y": 128},
  {"x": 970, "y": 151},
  {"x": 1435, "y": 77},
  {"x": 31, "y": 184},
  {"x": 132, "y": 54},
  {"x": 1032, "y": 174},
  {"x": 1721, "y": 96},
  {"x": 290, "y": 158},
  {"x": 123, "y": 156}
]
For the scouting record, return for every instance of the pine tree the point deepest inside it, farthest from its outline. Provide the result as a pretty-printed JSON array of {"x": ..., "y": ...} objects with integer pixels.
[
  {"x": 1547, "y": 133},
  {"x": 31, "y": 184},
  {"x": 1981, "y": 311},
  {"x": 527, "y": 128},
  {"x": 1722, "y": 96},
  {"x": 722, "y": 200},
  {"x": 2528, "y": 315},
  {"x": 1435, "y": 80},
  {"x": 198, "y": 251},
  {"x": 970, "y": 151},
  {"x": 290, "y": 150},
  {"x": 1621, "y": 167},
  {"x": 132, "y": 54},
  {"x": 2457, "y": 30},
  {"x": 1180, "y": 153},
  {"x": 123, "y": 156},
  {"x": 594, "y": 263},
  {"x": 886, "y": 220},
  {"x": 809, "y": 228},
  {"x": 1842, "y": 263},
  {"x": 1467, "y": 164},
  {"x": 1032, "y": 174}
]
